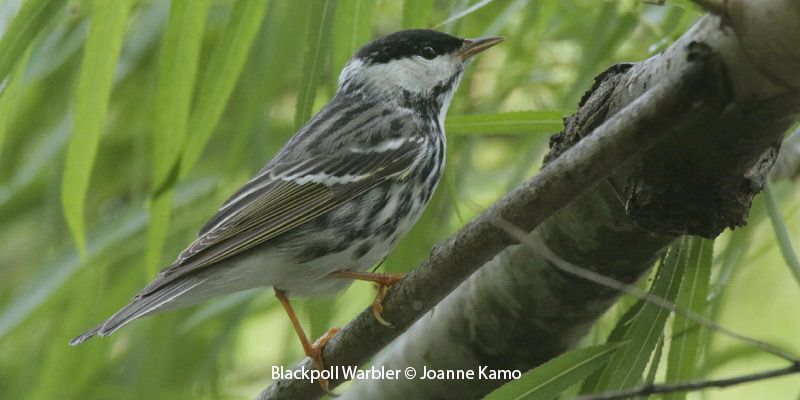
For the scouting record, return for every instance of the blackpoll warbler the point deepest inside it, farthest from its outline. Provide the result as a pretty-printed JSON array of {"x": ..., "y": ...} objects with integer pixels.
[{"x": 338, "y": 196}]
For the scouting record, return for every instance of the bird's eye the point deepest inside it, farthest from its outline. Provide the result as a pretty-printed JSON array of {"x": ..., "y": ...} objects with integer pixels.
[{"x": 428, "y": 53}]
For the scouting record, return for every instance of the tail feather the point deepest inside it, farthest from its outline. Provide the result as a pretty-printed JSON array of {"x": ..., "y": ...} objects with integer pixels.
[
  {"x": 141, "y": 306},
  {"x": 85, "y": 335}
]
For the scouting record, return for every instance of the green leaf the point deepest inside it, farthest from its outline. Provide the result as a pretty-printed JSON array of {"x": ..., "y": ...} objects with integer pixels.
[
  {"x": 319, "y": 27},
  {"x": 684, "y": 350},
  {"x": 781, "y": 233},
  {"x": 106, "y": 32},
  {"x": 353, "y": 27},
  {"x": 553, "y": 377},
  {"x": 31, "y": 19},
  {"x": 655, "y": 362},
  {"x": 218, "y": 81},
  {"x": 416, "y": 13},
  {"x": 159, "y": 214},
  {"x": 739, "y": 242},
  {"x": 519, "y": 122},
  {"x": 177, "y": 69},
  {"x": 627, "y": 365},
  {"x": 590, "y": 385},
  {"x": 10, "y": 97}
]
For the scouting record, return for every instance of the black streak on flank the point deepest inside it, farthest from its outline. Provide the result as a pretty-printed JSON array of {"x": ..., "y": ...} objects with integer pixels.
[
  {"x": 362, "y": 250},
  {"x": 428, "y": 168},
  {"x": 313, "y": 251},
  {"x": 396, "y": 124},
  {"x": 406, "y": 44}
]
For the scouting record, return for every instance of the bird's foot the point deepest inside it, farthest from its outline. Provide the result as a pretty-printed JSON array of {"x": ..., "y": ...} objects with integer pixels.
[
  {"x": 384, "y": 282},
  {"x": 314, "y": 352}
]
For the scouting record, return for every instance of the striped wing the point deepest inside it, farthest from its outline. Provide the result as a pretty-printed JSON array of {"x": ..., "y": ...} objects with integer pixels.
[{"x": 285, "y": 196}]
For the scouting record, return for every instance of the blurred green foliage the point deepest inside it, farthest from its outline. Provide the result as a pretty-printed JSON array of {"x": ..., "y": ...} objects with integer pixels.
[{"x": 199, "y": 99}]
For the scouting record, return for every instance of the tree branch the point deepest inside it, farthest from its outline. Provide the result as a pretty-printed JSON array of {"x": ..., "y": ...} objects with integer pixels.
[
  {"x": 693, "y": 385},
  {"x": 631, "y": 131},
  {"x": 634, "y": 291}
]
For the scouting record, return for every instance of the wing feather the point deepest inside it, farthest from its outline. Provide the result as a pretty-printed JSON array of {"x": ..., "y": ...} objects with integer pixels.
[{"x": 284, "y": 197}]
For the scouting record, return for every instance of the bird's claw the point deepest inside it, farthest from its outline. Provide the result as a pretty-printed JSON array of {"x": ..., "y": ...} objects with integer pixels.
[
  {"x": 315, "y": 354},
  {"x": 377, "y": 307},
  {"x": 384, "y": 282}
]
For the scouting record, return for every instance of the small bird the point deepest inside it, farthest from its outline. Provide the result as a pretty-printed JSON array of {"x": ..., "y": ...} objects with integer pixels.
[{"x": 337, "y": 197}]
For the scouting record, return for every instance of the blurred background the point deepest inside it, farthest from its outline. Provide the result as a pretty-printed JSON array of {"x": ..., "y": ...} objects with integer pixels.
[{"x": 195, "y": 109}]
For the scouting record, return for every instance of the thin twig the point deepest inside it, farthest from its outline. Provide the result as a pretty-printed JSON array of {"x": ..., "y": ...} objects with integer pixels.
[
  {"x": 648, "y": 390},
  {"x": 469, "y": 10},
  {"x": 781, "y": 232},
  {"x": 632, "y": 290}
]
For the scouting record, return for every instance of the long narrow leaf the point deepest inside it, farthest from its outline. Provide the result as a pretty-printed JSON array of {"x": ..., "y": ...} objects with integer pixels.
[
  {"x": 107, "y": 28},
  {"x": 781, "y": 233},
  {"x": 590, "y": 385},
  {"x": 650, "y": 378},
  {"x": 320, "y": 22},
  {"x": 31, "y": 19},
  {"x": 553, "y": 377},
  {"x": 9, "y": 98},
  {"x": 225, "y": 65},
  {"x": 731, "y": 257},
  {"x": 177, "y": 69},
  {"x": 160, "y": 211},
  {"x": 353, "y": 28},
  {"x": 684, "y": 351},
  {"x": 627, "y": 365},
  {"x": 520, "y": 122}
]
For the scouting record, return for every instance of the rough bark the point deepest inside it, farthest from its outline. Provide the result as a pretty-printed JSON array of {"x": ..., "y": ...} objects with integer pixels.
[{"x": 518, "y": 311}]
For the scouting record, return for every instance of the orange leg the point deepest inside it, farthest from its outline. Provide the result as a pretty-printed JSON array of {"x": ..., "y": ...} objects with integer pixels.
[
  {"x": 384, "y": 282},
  {"x": 313, "y": 351}
]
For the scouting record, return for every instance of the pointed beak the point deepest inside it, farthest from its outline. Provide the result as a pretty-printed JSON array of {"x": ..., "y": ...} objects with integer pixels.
[{"x": 472, "y": 47}]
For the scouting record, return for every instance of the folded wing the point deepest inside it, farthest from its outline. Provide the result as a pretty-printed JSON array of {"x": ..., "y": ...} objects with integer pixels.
[{"x": 287, "y": 195}]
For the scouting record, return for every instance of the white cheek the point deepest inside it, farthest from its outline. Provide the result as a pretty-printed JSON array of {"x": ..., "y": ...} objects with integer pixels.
[{"x": 412, "y": 74}]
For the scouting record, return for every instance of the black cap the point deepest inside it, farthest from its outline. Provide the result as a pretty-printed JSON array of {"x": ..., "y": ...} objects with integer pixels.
[{"x": 413, "y": 42}]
